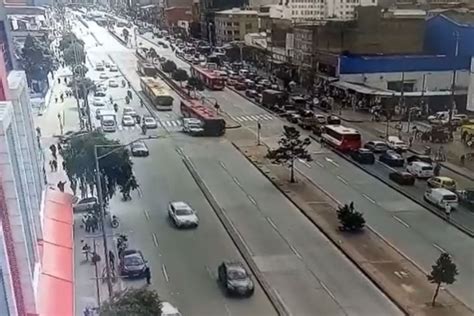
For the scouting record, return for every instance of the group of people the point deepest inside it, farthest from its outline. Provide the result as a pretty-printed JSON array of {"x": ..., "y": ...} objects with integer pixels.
[{"x": 90, "y": 222}]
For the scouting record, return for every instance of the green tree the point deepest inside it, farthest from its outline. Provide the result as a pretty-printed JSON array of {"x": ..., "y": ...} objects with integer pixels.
[
  {"x": 292, "y": 147},
  {"x": 36, "y": 59},
  {"x": 125, "y": 34},
  {"x": 132, "y": 302},
  {"x": 180, "y": 75},
  {"x": 74, "y": 54},
  {"x": 67, "y": 39},
  {"x": 168, "y": 66},
  {"x": 443, "y": 271},
  {"x": 115, "y": 168},
  {"x": 83, "y": 86},
  {"x": 152, "y": 54},
  {"x": 350, "y": 219}
]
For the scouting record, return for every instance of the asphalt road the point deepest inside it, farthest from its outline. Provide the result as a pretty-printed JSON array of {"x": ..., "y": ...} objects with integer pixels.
[{"x": 283, "y": 245}]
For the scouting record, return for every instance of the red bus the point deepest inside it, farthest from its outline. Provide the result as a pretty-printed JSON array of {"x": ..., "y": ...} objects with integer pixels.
[
  {"x": 213, "y": 124},
  {"x": 341, "y": 137},
  {"x": 209, "y": 77}
]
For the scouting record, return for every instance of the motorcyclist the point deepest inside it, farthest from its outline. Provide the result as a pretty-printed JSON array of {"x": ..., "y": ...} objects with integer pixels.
[
  {"x": 143, "y": 128},
  {"x": 116, "y": 107}
]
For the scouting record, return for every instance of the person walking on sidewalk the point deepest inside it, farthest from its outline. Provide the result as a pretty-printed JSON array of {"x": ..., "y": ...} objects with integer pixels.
[
  {"x": 112, "y": 259},
  {"x": 55, "y": 165},
  {"x": 51, "y": 165},
  {"x": 447, "y": 210},
  {"x": 53, "y": 150},
  {"x": 148, "y": 275},
  {"x": 61, "y": 185}
]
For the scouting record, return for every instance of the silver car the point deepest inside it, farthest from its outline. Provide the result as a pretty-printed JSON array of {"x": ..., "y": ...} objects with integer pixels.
[
  {"x": 84, "y": 205},
  {"x": 182, "y": 214},
  {"x": 150, "y": 122}
]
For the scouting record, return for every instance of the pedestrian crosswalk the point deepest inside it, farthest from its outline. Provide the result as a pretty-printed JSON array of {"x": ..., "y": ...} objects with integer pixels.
[{"x": 255, "y": 117}]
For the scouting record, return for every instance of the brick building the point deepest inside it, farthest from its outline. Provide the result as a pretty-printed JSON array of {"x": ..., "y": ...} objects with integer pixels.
[
  {"x": 232, "y": 25},
  {"x": 175, "y": 16}
]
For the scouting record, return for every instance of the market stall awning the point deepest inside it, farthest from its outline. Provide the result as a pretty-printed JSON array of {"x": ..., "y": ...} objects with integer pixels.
[
  {"x": 361, "y": 88},
  {"x": 56, "y": 282}
]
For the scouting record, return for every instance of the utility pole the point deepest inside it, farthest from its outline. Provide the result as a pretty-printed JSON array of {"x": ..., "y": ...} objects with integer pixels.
[
  {"x": 259, "y": 127},
  {"x": 453, "y": 85}
]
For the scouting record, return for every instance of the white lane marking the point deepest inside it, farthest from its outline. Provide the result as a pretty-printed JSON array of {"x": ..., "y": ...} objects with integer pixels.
[
  {"x": 237, "y": 181},
  {"x": 331, "y": 161},
  {"x": 146, "y": 214},
  {"x": 167, "y": 123},
  {"x": 237, "y": 118},
  {"x": 209, "y": 271},
  {"x": 268, "y": 117},
  {"x": 245, "y": 118},
  {"x": 331, "y": 294},
  {"x": 251, "y": 199},
  {"x": 342, "y": 180},
  {"x": 174, "y": 123},
  {"x": 439, "y": 248},
  {"x": 222, "y": 165},
  {"x": 255, "y": 117},
  {"x": 227, "y": 310},
  {"x": 304, "y": 163},
  {"x": 296, "y": 252},
  {"x": 369, "y": 198},
  {"x": 178, "y": 123},
  {"x": 319, "y": 164},
  {"x": 401, "y": 221},
  {"x": 269, "y": 220},
  {"x": 155, "y": 240},
  {"x": 165, "y": 274}
]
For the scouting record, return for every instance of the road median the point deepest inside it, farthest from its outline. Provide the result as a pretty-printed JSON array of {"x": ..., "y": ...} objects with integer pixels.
[{"x": 394, "y": 274}]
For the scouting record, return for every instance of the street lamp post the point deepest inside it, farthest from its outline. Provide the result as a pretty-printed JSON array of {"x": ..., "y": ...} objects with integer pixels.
[{"x": 101, "y": 201}]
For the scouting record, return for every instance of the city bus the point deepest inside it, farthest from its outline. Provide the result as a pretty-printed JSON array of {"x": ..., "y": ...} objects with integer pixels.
[
  {"x": 341, "y": 137},
  {"x": 157, "y": 93},
  {"x": 211, "y": 79},
  {"x": 212, "y": 124},
  {"x": 146, "y": 69}
]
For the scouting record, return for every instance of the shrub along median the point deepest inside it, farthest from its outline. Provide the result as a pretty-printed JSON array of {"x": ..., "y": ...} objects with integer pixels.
[{"x": 392, "y": 272}]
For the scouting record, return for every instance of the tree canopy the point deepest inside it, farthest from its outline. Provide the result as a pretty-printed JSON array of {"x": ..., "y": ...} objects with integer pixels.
[
  {"x": 36, "y": 59},
  {"x": 115, "y": 168},
  {"x": 132, "y": 302},
  {"x": 292, "y": 147},
  {"x": 74, "y": 54},
  {"x": 350, "y": 219},
  {"x": 443, "y": 271},
  {"x": 168, "y": 66},
  {"x": 67, "y": 39},
  {"x": 82, "y": 85},
  {"x": 180, "y": 75}
]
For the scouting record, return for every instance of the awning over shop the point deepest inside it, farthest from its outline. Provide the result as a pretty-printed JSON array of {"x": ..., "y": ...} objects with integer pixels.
[
  {"x": 56, "y": 282},
  {"x": 148, "y": 6},
  {"x": 361, "y": 88}
]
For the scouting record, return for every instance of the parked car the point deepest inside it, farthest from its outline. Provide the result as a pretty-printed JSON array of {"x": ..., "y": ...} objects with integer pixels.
[
  {"x": 377, "y": 146},
  {"x": 240, "y": 86},
  {"x": 103, "y": 76},
  {"x": 150, "y": 122},
  {"x": 392, "y": 158},
  {"x": 442, "y": 182},
  {"x": 293, "y": 118},
  {"x": 182, "y": 214},
  {"x": 113, "y": 68},
  {"x": 363, "y": 156},
  {"x": 132, "y": 263},
  {"x": 251, "y": 93},
  {"x": 441, "y": 197},
  {"x": 420, "y": 169},
  {"x": 397, "y": 144},
  {"x": 235, "y": 279},
  {"x": 333, "y": 120},
  {"x": 113, "y": 83},
  {"x": 402, "y": 177},
  {"x": 422, "y": 158},
  {"x": 129, "y": 111},
  {"x": 128, "y": 120},
  {"x": 99, "y": 66},
  {"x": 85, "y": 204},
  {"x": 139, "y": 149}
]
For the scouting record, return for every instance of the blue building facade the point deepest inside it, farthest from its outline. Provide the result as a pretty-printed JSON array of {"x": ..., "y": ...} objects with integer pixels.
[{"x": 442, "y": 33}]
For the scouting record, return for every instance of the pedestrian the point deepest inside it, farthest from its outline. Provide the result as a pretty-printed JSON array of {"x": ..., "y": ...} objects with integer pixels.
[
  {"x": 62, "y": 97},
  {"x": 64, "y": 164},
  {"x": 463, "y": 159},
  {"x": 59, "y": 80},
  {"x": 447, "y": 210},
  {"x": 53, "y": 149},
  {"x": 85, "y": 249},
  {"x": 410, "y": 141},
  {"x": 60, "y": 148},
  {"x": 112, "y": 259},
  {"x": 65, "y": 80},
  {"x": 73, "y": 186},
  {"x": 148, "y": 275},
  {"x": 55, "y": 99},
  {"x": 54, "y": 165},
  {"x": 61, "y": 185}
]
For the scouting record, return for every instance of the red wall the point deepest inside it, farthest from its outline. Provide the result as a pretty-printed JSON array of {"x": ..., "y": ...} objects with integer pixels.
[
  {"x": 3, "y": 80},
  {"x": 175, "y": 14}
]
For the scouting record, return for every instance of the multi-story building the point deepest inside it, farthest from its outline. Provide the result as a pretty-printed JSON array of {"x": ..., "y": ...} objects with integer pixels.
[
  {"x": 232, "y": 25},
  {"x": 207, "y": 9},
  {"x": 316, "y": 10}
]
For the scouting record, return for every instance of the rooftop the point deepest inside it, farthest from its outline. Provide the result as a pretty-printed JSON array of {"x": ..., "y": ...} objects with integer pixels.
[{"x": 238, "y": 11}]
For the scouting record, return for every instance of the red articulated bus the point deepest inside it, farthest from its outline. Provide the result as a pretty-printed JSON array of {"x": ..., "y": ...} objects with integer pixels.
[
  {"x": 209, "y": 77},
  {"x": 341, "y": 137},
  {"x": 212, "y": 124}
]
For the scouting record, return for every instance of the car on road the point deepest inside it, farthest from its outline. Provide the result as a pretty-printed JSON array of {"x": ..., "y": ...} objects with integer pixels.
[
  {"x": 420, "y": 169},
  {"x": 129, "y": 111},
  {"x": 107, "y": 64},
  {"x": 113, "y": 68},
  {"x": 392, "y": 159},
  {"x": 240, "y": 86},
  {"x": 193, "y": 126},
  {"x": 293, "y": 118},
  {"x": 441, "y": 197},
  {"x": 132, "y": 263},
  {"x": 128, "y": 120},
  {"x": 251, "y": 93},
  {"x": 321, "y": 119},
  {"x": 139, "y": 149},
  {"x": 103, "y": 76},
  {"x": 168, "y": 310},
  {"x": 363, "y": 156},
  {"x": 188, "y": 57},
  {"x": 235, "y": 279},
  {"x": 442, "y": 182},
  {"x": 113, "y": 83},
  {"x": 99, "y": 66},
  {"x": 99, "y": 101},
  {"x": 182, "y": 214},
  {"x": 150, "y": 122},
  {"x": 402, "y": 177},
  {"x": 377, "y": 146},
  {"x": 423, "y": 158},
  {"x": 84, "y": 205},
  {"x": 397, "y": 144}
]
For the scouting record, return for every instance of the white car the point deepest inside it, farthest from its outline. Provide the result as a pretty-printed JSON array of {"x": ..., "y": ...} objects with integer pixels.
[
  {"x": 113, "y": 83},
  {"x": 397, "y": 144},
  {"x": 188, "y": 57},
  {"x": 420, "y": 169},
  {"x": 103, "y": 76},
  {"x": 128, "y": 120},
  {"x": 99, "y": 101},
  {"x": 99, "y": 67},
  {"x": 113, "y": 68},
  {"x": 150, "y": 122},
  {"x": 182, "y": 214},
  {"x": 129, "y": 111},
  {"x": 107, "y": 64}
]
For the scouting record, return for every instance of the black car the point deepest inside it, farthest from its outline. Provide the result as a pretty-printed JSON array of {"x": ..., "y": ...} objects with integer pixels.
[
  {"x": 363, "y": 155},
  {"x": 235, "y": 278},
  {"x": 392, "y": 158},
  {"x": 251, "y": 93},
  {"x": 377, "y": 146},
  {"x": 402, "y": 178},
  {"x": 423, "y": 158},
  {"x": 132, "y": 263}
]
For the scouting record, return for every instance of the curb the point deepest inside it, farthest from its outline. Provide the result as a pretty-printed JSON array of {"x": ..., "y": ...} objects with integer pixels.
[
  {"x": 237, "y": 239},
  {"x": 117, "y": 38},
  {"x": 316, "y": 224}
]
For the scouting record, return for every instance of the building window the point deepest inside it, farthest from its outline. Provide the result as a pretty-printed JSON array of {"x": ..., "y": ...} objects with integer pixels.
[
  {"x": 236, "y": 24},
  {"x": 248, "y": 25},
  {"x": 236, "y": 32},
  {"x": 229, "y": 23}
]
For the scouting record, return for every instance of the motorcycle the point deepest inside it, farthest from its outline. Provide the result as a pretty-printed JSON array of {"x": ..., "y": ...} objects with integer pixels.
[{"x": 114, "y": 221}]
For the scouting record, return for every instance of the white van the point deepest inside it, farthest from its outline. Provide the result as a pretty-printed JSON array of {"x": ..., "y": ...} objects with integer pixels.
[
  {"x": 108, "y": 122},
  {"x": 420, "y": 169},
  {"x": 440, "y": 197},
  {"x": 397, "y": 144}
]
